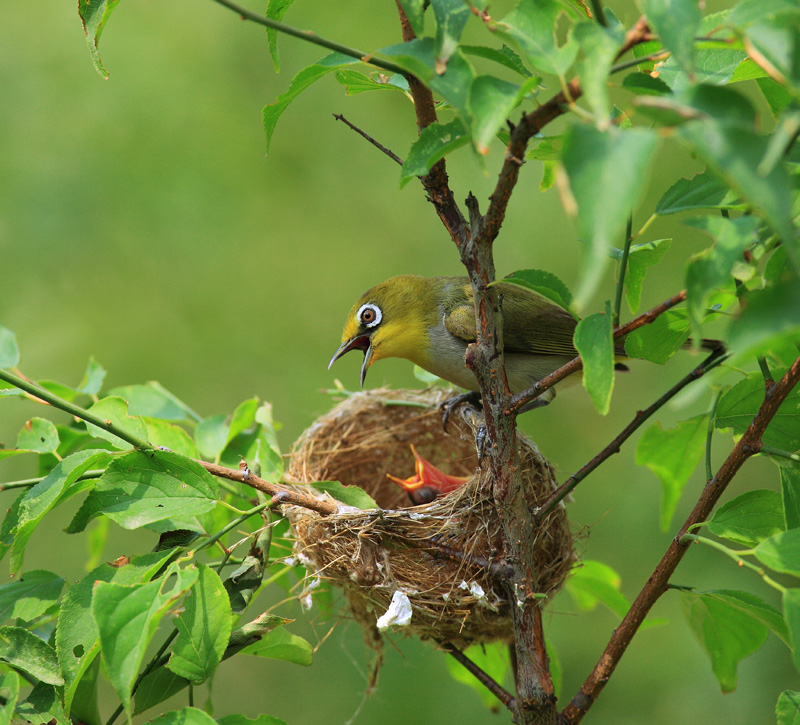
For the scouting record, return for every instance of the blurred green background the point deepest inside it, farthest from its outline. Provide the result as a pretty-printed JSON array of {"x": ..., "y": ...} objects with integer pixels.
[{"x": 141, "y": 223}]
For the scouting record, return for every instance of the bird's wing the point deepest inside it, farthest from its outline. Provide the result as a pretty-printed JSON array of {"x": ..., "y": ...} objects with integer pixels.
[{"x": 525, "y": 315}]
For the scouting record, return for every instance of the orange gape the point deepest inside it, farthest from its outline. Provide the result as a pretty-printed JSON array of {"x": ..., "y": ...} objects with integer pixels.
[{"x": 428, "y": 482}]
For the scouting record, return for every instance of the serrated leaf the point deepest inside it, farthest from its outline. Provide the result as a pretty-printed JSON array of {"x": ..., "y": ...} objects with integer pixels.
[
  {"x": 204, "y": 628},
  {"x": 606, "y": 176},
  {"x": 30, "y": 596},
  {"x": 644, "y": 84},
  {"x": 676, "y": 22},
  {"x": 244, "y": 416},
  {"x": 703, "y": 191},
  {"x": 23, "y": 650},
  {"x": 787, "y": 710},
  {"x": 39, "y": 435},
  {"x": 93, "y": 378},
  {"x": 756, "y": 608},
  {"x": 348, "y": 495},
  {"x": 151, "y": 401},
  {"x": 211, "y": 435},
  {"x": 790, "y": 492},
  {"x": 167, "y": 435},
  {"x": 276, "y": 9},
  {"x": 505, "y": 57},
  {"x": 9, "y": 686},
  {"x": 739, "y": 405},
  {"x": 272, "y": 112},
  {"x": 595, "y": 343},
  {"x": 356, "y": 82},
  {"x": 781, "y": 552},
  {"x": 749, "y": 518},
  {"x": 725, "y": 632},
  {"x": 640, "y": 258},
  {"x": 451, "y": 17},
  {"x": 76, "y": 634},
  {"x": 94, "y": 14},
  {"x": 544, "y": 283},
  {"x": 599, "y": 46},
  {"x": 672, "y": 455},
  {"x": 435, "y": 142},
  {"x": 187, "y": 716},
  {"x": 159, "y": 685},
  {"x": 491, "y": 101},
  {"x": 9, "y": 350},
  {"x": 775, "y": 95},
  {"x": 280, "y": 644},
  {"x": 127, "y": 618},
  {"x": 42, "y": 706},
  {"x": 115, "y": 410}
]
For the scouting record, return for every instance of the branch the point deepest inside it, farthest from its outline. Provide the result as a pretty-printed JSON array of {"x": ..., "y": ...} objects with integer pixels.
[
  {"x": 656, "y": 585},
  {"x": 716, "y": 357},
  {"x": 526, "y": 396},
  {"x": 391, "y": 154},
  {"x": 488, "y": 682},
  {"x": 310, "y": 37}
]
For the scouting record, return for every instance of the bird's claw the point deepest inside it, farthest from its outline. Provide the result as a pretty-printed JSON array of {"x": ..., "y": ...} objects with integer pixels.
[
  {"x": 472, "y": 399},
  {"x": 480, "y": 442}
]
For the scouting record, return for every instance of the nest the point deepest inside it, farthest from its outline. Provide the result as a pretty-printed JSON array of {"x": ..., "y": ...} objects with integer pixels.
[{"x": 439, "y": 554}]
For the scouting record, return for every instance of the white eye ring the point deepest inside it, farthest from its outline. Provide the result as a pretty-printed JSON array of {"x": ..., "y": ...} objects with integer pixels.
[{"x": 373, "y": 319}]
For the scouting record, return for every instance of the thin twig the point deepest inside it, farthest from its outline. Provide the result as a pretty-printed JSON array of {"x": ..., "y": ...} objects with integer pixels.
[
  {"x": 623, "y": 266},
  {"x": 488, "y": 682},
  {"x": 714, "y": 359},
  {"x": 656, "y": 585},
  {"x": 519, "y": 400},
  {"x": 377, "y": 144}
]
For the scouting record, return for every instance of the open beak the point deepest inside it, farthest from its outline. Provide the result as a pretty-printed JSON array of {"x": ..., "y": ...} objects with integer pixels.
[{"x": 360, "y": 342}]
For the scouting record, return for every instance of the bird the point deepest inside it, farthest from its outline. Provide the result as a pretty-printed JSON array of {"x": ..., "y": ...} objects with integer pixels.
[{"x": 431, "y": 321}]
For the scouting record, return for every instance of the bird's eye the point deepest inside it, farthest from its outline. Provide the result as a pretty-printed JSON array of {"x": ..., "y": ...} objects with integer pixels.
[{"x": 369, "y": 315}]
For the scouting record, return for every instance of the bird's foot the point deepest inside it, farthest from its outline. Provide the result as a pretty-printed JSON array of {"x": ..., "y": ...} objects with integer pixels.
[{"x": 472, "y": 399}]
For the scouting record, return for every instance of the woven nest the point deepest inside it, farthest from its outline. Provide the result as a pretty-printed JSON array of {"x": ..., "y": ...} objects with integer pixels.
[{"x": 437, "y": 553}]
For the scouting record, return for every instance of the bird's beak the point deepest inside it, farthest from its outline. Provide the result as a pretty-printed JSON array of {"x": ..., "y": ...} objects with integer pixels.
[{"x": 360, "y": 342}]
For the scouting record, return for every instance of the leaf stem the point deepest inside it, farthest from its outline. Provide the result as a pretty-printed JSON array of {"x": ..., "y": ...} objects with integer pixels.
[
  {"x": 25, "y": 482},
  {"x": 623, "y": 265},
  {"x": 214, "y": 538},
  {"x": 311, "y": 37},
  {"x": 735, "y": 555},
  {"x": 769, "y": 450},
  {"x": 599, "y": 13},
  {"x": 711, "y": 416},
  {"x": 72, "y": 409},
  {"x": 625, "y": 64}
]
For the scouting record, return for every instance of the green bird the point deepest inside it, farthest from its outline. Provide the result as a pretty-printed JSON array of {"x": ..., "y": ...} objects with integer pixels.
[{"x": 431, "y": 320}]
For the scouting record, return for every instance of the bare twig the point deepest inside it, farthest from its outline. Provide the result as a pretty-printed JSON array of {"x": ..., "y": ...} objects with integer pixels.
[
  {"x": 377, "y": 144},
  {"x": 488, "y": 682},
  {"x": 519, "y": 400},
  {"x": 656, "y": 585}
]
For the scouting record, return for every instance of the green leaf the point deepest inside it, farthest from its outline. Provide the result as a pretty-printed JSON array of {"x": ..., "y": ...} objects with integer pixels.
[
  {"x": 775, "y": 94},
  {"x": 661, "y": 339},
  {"x": 30, "y": 596},
  {"x": 640, "y": 258},
  {"x": 703, "y": 191},
  {"x": 76, "y": 633},
  {"x": 505, "y": 57},
  {"x": 791, "y": 613},
  {"x": 59, "y": 485},
  {"x": 532, "y": 24},
  {"x": 643, "y": 84},
  {"x": 23, "y": 650},
  {"x": 243, "y": 582},
  {"x": 187, "y": 716},
  {"x": 167, "y": 435},
  {"x": 755, "y": 607},
  {"x": 548, "y": 148},
  {"x": 276, "y": 9},
  {"x": 593, "y": 583},
  {"x": 676, "y": 22},
  {"x": 159, "y": 685},
  {"x": 38, "y": 435},
  {"x": 282, "y": 645},
  {"x": 42, "y": 707},
  {"x": 781, "y": 552},
  {"x": 606, "y": 177},
  {"x": 491, "y": 101},
  {"x": 672, "y": 455},
  {"x": 94, "y": 14},
  {"x": 204, "y": 628},
  {"x": 127, "y": 618},
  {"x": 595, "y": 343},
  {"x": 492, "y": 658},
  {"x": 257, "y": 720},
  {"x": 243, "y": 418},
  {"x": 711, "y": 269},
  {"x": 543, "y": 282},
  {"x": 356, "y": 82},
  {"x": 272, "y": 112},
  {"x": 140, "y": 488},
  {"x": 85, "y": 705},
  {"x": 451, "y": 17},
  {"x": 9, "y": 687},
  {"x": 707, "y": 103},
  {"x": 434, "y": 143},
  {"x": 739, "y": 405},
  {"x": 9, "y": 350},
  {"x": 211, "y": 435},
  {"x": 415, "y": 11},
  {"x": 93, "y": 378},
  {"x": 258, "y": 446},
  {"x": 749, "y": 518},
  {"x": 151, "y": 401},
  {"x": 115, "y": 410},
  {"x": 725, "y": 632},
  {"x": 790, "y": 492},
  {"x": 348, "y": 495},
  {"x": 599, "y": 46},
  {"x": 787, "y": 710}
]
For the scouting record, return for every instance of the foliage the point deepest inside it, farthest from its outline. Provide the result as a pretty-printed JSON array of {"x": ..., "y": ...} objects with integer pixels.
[{"x": 723, "y": 88}]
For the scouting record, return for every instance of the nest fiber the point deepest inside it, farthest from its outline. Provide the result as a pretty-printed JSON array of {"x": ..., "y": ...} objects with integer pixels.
[{"x": 437, "y": 554}]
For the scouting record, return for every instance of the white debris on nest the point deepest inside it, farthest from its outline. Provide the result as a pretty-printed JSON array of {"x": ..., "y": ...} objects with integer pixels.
[
  {"x": 473, "y": 588},
  {"x": 399, "y": 612},
  {"x": 306, "y": 600}
]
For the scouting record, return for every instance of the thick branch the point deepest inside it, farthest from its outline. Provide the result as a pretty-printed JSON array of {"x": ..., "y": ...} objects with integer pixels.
[{"x": 748, "y": 445}]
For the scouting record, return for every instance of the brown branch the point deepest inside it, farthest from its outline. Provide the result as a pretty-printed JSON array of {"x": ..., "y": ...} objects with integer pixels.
[
  {"x": 377, "y": 144},
  {"x": 287, "y": 495},
  {"x": 488, "y": 682},
  {"x": 657, "y": 584},
  {"x": 531, "y": 124},
  {"x": 641, "y": 416},
  {"x": 519, "y": 400}
]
